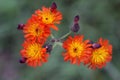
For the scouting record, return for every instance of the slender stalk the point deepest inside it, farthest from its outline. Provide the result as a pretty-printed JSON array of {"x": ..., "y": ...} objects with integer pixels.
[
  {"x": 54, "y": 45},
  {"x": 59, "y": 43},
  {"x": 64, "y": 36},
  {"x": 52, "y": 36}
]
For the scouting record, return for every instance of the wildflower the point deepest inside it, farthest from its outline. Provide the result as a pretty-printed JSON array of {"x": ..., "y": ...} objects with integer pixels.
[
  {"x": 34, "y": 31},
  {"x": 34, "y": 53},
  {"x": 102, "y": 53},
  {"x": 77, "y": 50},
  {"x": 48, "y": 17}
]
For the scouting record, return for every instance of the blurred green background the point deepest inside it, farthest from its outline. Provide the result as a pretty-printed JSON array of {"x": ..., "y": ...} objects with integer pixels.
[{"x": 98, "y": 18}]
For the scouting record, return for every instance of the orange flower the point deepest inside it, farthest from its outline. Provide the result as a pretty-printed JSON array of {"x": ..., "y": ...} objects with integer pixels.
[
  {"x": 102, "y": 55},
  {"x": 77, "y": 50},
  {"x": 34, "y": 53},
  {"x": 48, "y": 17},
  {"x": 35, "y": 31}
]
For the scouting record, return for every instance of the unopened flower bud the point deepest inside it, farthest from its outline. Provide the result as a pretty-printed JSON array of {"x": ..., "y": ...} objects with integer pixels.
[
  {"x": 90, "y": 42},
  {"x": 96, "y": 45},
  {"x": 75, "y": 27},
  {"x": 20, "y": 26},
  {"x": 76, "y": 19},
  {"x": 22, "y": 60},
  {"x": 53, "y": 7},
  {"x": 55, "y": 40},
  {"x": 48, "y": 47}
]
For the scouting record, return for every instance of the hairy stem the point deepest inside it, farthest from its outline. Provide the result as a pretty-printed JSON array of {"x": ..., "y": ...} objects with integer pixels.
[
  {"x": 67, "y": 34},
  {"x": 52, "y": 36}
]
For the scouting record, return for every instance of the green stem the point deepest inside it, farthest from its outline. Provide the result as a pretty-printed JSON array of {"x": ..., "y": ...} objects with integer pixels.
[
  {"x": 52, "y": 36},
  {"x": 66, "y": 35},
  {"x": 57, "y": 43},
  {"x": 54, "y": 45}
]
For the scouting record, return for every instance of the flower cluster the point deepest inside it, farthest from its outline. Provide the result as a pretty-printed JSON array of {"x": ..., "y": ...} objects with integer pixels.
[
  {"x": 76, "y": 49},
  {"x": 95, "y": 55},
  {"x": 36, "y": 31}
]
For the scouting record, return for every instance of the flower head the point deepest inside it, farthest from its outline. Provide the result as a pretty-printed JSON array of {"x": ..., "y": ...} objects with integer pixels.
[
  {"x": 34, "y": 53},
  {"x": 101, "y": 55},
  {"x": 77, "y": 50},
  {"x": 35, "y": 31},
  {"x": 48, "y": 17}
]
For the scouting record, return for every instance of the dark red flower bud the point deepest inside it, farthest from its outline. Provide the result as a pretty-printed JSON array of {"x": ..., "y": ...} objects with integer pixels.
[
  {"x": 58, "y": 40},
  {"x": 53, "y": 7},
  {"x": 48, "y": 47},
  {"x": 75, "y": 27},
  {"x": 20, "y": 26},
  {"x": 96, "y": 45},
  {"x": 90, "y": 42},
  {"x": 55, "y": 40},
  {"x": 76, "y": 19},
  {"x": 22, "y": 60}
]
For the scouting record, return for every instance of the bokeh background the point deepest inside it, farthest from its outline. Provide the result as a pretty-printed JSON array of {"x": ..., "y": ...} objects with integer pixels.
[{"x": 98, "y": 18}]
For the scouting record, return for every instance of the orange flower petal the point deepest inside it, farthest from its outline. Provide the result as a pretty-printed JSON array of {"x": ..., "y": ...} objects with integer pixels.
[
  {"x": 34, "y": 31},
  {"x": 34, "y": 53},
  {"x": 77, "y": 50},
  {"x": 102, "y": 55},
  {"x": 49, "y": 18}
]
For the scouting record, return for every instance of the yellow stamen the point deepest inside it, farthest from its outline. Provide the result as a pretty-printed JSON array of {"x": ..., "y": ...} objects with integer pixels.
[
  {"x": 99, "y": 55},
  {"x": 34, "y": 50},
  {"x": 47, "y": 17},
  {"x": 76, "y": 49}
]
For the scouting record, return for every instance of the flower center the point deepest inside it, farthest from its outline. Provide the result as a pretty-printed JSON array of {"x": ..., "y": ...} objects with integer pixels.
[
  {"x": 47, "y": 18},
  {"x": 34, "y": 50},
  {"x": 76, "y": 49},
  {"x": 99, "y": 55},
  {"x": 38, "y": 31},
  {"x": 35, "y": 29}
]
